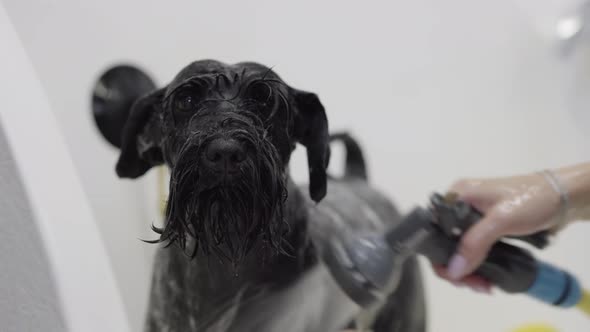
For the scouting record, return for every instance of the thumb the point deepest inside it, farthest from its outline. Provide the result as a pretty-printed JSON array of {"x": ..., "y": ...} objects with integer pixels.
[{"x": 473, "y": 248}]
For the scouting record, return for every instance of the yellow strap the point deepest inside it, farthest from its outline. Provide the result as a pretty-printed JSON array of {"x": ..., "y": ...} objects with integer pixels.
[
  {"x": 162, "y": 196},
  {"x": 538, "y": 327},
  {"x": 584, "y": 303}
]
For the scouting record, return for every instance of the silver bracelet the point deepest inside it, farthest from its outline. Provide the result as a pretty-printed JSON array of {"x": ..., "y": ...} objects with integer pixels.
[{"x": 563, "y": 197}]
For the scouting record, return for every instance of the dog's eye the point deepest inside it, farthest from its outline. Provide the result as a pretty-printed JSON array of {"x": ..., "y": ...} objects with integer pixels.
[
  {"x": 185, "y": 103},
  {"x": 260, "y": 92}
]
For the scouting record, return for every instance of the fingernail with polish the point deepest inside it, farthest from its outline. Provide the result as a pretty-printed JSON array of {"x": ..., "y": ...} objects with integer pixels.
[
  {"x": 457, "y": 284},
  {"x": 481, "y": 289},
  {"x": 457, "y": 267}
]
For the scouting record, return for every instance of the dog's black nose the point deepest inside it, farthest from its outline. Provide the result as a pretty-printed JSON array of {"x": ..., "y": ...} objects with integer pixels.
[{"x": 225, "y": 155}]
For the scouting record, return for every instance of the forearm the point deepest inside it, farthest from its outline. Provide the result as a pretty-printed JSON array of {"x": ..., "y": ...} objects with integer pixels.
[{"x": 576, "y": 181}]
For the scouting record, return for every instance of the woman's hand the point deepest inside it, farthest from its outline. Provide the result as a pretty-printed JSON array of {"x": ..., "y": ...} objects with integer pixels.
[{"x": 518, "y": 205}]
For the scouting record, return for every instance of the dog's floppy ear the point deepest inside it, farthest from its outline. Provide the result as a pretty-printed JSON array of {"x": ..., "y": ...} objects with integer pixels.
[
  {"x": 140, "y": 148},
  {"x": 311, "y": 130}
]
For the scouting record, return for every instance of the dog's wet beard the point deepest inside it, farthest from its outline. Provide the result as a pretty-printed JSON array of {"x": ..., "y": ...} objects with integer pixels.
[{"x": 227, "y": 221}]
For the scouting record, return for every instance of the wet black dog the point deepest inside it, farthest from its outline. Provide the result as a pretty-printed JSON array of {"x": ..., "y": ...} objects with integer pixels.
[{"x": 241, "y": 240}]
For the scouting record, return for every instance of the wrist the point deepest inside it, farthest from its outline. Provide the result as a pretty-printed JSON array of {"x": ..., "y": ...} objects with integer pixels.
[
  {"x": 561, "y": 206},
  {"x": 575, "y": 181}
]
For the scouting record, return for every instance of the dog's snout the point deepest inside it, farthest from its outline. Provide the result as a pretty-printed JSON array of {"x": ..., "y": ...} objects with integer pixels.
[{"x": 225, "y": 155}]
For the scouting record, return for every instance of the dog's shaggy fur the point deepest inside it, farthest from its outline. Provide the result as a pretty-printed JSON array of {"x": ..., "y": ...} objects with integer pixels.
[{"x": 240, "y": 247}]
